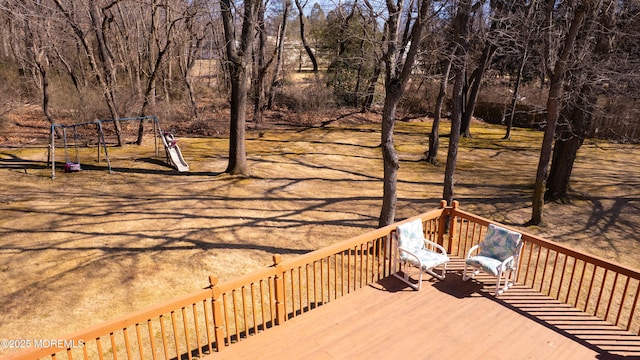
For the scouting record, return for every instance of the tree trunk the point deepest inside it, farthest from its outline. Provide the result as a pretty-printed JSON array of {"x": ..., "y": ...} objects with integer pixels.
[
  {"x": 42, "y": 65},
  {"x": 305, "y": 44},
  {"x": 434, "y": 136},
  {"x": 389, "y": 156},
  {"x": 108, "y": 69},
  {"x": 237, "y": 151},
  {"x": 565, "y": 152},
  {"x": 238, "y": 53},
  {"x": 476, "y": 81},
  {"x": 260, "y": 67},
  {"x": 514, "y": 98},
  {"x": 461, "y": 32},
  {"x": 554, "y": 102},
  {"x": 371, "y": 87},
  {"x": 398, "y": 73},
  {"x": 280, "y": 51},
  {"x": 573, "y": 132},
  {"x": 454, "y": 139}
]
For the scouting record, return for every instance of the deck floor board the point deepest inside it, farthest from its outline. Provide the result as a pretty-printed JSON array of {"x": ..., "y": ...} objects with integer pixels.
[{"x": 448, "y": 319}]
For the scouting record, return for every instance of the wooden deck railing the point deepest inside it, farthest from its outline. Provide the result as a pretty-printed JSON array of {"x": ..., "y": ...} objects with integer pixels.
[
  {"x": 588, "y": 283},
  {"x": 209, "y": 320},
  {"x": 212, "y": 319}
]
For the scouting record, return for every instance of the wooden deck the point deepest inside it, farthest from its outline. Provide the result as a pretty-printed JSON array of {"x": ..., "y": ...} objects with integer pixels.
[{"x": 448, "y": 319}]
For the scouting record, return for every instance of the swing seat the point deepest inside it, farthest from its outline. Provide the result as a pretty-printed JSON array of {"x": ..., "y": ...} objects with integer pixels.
[{"x": 72, "y": 167}]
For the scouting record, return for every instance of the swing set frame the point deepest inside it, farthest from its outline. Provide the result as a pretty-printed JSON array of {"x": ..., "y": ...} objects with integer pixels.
[{"x": 101, "y": 140}]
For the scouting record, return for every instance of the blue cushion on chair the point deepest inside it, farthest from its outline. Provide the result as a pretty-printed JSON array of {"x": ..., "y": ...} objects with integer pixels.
[
  {"x": 487, "y": 264},
  {"x": 411, "y": 235},
  {"x": 429, "y": 259},
  {"x": 499, "y": 243}
]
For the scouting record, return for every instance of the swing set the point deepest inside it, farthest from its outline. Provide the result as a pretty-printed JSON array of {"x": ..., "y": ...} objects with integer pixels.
[{"x": 73, "y": 165}]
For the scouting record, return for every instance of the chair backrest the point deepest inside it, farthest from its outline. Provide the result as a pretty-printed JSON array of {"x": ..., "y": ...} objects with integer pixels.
[
  {"x": 500, "y": 243},
  {"x": 410, "y": 235}
]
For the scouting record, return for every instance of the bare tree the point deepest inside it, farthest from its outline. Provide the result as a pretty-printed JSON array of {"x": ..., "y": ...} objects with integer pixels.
[
  {"x": 461, "y": 45},
  {"x": 238, "y": 55},
  {"x": 282, "y": 33},
  {"x": 32, "y": 26},
  {"x": 553, "y": 108},
  {"x": 193, "y": 34},
  {"x": 101, "y": 62},
  {"x": 260, "y": 65},
  {"x": 431, "y": 155},
  {"x": 303, "y": 36},
  {"x": 595, "y": 68},
  {"x": 398, "y": 71}
]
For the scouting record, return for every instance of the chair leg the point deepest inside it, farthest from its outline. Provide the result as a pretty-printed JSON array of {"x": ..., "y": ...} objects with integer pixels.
[{"x": 406, "y": 278}]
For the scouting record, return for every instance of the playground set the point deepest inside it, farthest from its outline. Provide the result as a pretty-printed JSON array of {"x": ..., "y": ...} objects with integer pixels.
[{"x": 173, "y": 154}]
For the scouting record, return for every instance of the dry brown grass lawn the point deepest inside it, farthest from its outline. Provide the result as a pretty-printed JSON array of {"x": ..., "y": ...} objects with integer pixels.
[{"x": 89, "y": 246}]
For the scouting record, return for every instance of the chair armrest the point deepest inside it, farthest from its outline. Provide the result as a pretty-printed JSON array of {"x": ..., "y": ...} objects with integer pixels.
[
  {"x": 436, "y": 246},
  {"x": 473, "y": 248},
  {"x": 410, "y": 253},
  {"x": 506, "y": 261}
]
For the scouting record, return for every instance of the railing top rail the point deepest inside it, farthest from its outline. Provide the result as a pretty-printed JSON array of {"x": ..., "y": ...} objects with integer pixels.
[
  {"x": 246, "y": 279},
  {"x": 552, "y": 245}
]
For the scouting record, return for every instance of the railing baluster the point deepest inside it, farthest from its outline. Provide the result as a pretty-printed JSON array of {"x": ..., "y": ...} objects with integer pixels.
[
  {"x": 349, "y": 272},
  {"x": 196, "y": 324},
  {"x": 300, "y": 298},
  {"x": 225, "y": 315},
  {"x": 315, "y": 284},
  {"x": 544, "y": 271},
  {"x": 526, "y": 275},
  {"x": 473, "y": 238},
  {"x": 593, "y": 276},
  {"x": 611, "y": 296},
  {"x": 254, "y": 310},
  {"x": 262, "y": 305},
  {"x": 152, "y": 343},
  {"x": 85, "y": 352},
  {"x": 186, "y": 334},
  {"x": 99, "y": 345},
  {"x": 624, "y": 297},
  {"x": 127, "y": 345},
  {"x": 573, "y": 271},
  {"x": 582, "y": 275},
  {"x": 322, "y": 301},
  {"x": 308, "y": 282},
  {"x": 139, "y": 340},
  {"x": 207, "y": 326},
  {"x": 633, "y": 309},
  {"x": 553, "y": 276},
  {"x": 342, "y": 282},
  {"x": 245, "y": 310},
  {"x": 335, "y": 276},
  {"x": 292, "y": 289},
  {"x": 175, "y": 333},
  {"x": 366, "y": 263},
  {"x": 273, "y": 303},
  {"x": 114, "y": 348},
  {"x": 604, "y": 281}
]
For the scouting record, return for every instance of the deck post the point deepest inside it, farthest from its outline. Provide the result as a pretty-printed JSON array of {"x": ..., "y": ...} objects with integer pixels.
[
  {"x": 279, "y": 291},
  {"x": 442, "y": 224},
  {"x": 218, "y": 319},
  {"x": 452, "y": 224}
]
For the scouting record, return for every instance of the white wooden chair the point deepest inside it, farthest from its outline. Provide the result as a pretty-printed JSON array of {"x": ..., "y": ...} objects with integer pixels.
[
  {"x": 414, "y": 251},
  {"x": 496, "y": 255}
]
